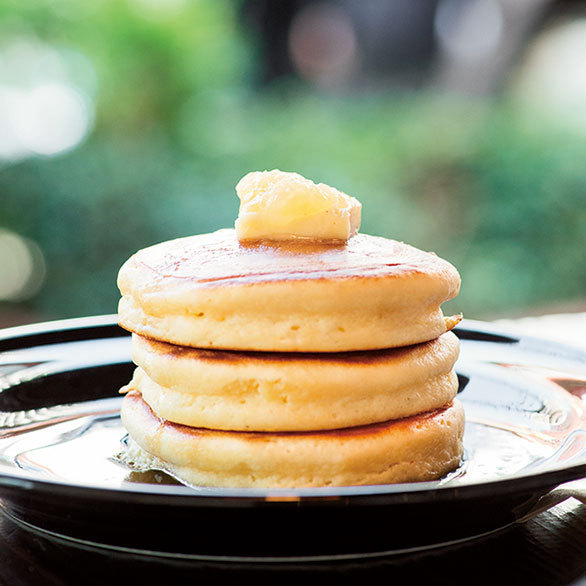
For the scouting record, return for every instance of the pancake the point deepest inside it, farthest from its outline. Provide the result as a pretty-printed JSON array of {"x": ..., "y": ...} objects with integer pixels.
[
  {"x": 210, "y": 291},
  {"x": 418, "y": 448},
  {"x": 264, "y": 391}
]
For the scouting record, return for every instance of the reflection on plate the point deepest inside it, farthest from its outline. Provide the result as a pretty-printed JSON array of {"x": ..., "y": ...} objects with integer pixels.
[{"x": 60, "y": 432}]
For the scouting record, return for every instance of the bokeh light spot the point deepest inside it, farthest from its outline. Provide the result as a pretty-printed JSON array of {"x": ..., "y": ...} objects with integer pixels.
[
  {"x": 469, "y": 30},
  {"x": 553, "y": 76},
  {"x": 52, "y": 118},
  {"x": 323, "y": 44},
  {"x": 22, "y": 267},
  {"x": 45, "y": 103}
]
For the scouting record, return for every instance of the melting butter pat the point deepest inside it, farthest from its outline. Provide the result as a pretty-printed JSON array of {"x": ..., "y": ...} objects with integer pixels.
[{"x": 276, "y": 205}]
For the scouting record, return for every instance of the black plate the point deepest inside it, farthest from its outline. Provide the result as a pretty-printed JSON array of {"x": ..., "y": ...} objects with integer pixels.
[{"x": 60, "y": 433}]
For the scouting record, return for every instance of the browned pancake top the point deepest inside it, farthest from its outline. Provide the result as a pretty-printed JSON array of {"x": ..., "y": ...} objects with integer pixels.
[
  {"x": 355, "y": 357},
  {"x": 219, "y": 258},
  {"x": 372, "y": 429}
]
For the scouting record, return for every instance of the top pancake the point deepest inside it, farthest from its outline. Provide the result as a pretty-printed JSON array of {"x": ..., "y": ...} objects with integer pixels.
[{"x": 211, "y": 291}]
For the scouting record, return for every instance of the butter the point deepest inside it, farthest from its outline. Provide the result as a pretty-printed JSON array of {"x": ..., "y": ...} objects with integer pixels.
[{"x": 275, "y": 205}]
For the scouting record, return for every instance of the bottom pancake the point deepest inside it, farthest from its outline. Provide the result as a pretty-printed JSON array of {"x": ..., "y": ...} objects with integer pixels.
[{"x": 418, "y": 448}]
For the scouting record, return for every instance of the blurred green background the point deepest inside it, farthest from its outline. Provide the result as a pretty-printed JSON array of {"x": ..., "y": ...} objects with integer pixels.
[{"x": 460, "y": 126}]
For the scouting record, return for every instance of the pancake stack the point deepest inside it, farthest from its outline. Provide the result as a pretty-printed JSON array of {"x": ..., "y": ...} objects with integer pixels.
[{"x": 291, "y": 363}]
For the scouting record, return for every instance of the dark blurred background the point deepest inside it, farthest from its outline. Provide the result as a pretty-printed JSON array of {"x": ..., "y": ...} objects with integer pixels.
[{"x": 459, "y": 124}]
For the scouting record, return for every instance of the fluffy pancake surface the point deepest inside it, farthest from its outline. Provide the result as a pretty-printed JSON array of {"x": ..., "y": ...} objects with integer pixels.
[
  {"x": 293, "y": 391},
  {"x": 421, "y": 447},
  {"x": 210, "y": 291}
]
